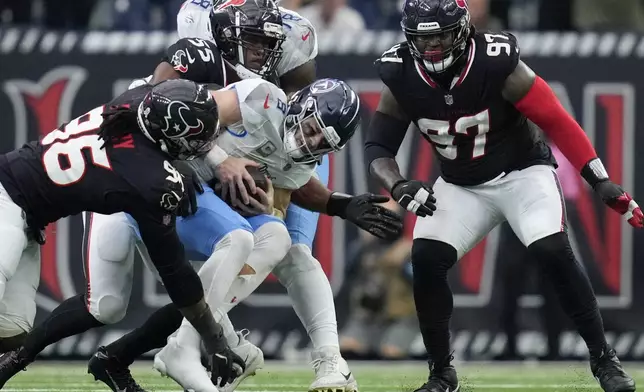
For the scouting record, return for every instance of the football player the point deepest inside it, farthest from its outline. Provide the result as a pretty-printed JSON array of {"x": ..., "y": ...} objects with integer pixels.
[
  {"x": 114, "y": 158},
  {"x": 320, "y": 119},
  {"x": 471, "y": 97}
]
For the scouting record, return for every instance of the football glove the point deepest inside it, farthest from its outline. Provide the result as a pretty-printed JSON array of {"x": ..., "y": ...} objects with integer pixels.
[
  {"x": 617, "y": 199},
  {"x": 415, "y": 196},
  {"x": 363, "y": 211},
  {"x": 225, "y": 366},
  {"x": 191, "y": 188},
  {"x": 612, "y": 194}
]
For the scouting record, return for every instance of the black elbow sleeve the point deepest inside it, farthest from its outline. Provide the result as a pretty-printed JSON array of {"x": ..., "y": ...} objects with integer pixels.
[{"x": 384, "y": 137}]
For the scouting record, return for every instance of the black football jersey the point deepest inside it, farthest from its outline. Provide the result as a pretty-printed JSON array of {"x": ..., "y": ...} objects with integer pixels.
[
  {"x": 69, "y": 171},
  {"x": 477, "y": 135}
]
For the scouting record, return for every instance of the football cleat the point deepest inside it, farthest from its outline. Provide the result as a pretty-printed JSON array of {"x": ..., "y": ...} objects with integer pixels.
[
  {"x": 183, "y": 365},
  {"x": 609, "y": 373},
  {"x": 10, "y": 364},
  {"x": 112, "y": 373},
  {"x": 442, "y": 378},
  {"x": 332, "y": 372},
  {"x": 253, "y": 357}
]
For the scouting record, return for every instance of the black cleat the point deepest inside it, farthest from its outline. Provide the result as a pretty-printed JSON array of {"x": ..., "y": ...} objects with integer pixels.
[
  {"x": 112, "y": 373},
  {"x": 609, "y": 373},
  {"x": 10, "y": 364},
  {"x": 442, "y": 378}
]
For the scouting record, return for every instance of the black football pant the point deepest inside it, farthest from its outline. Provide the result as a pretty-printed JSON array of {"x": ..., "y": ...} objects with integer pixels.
[{"x": 432, "y": 259}]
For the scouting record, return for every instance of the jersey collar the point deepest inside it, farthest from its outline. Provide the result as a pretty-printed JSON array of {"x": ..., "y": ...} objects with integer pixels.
[{"x": 424, "y": 75}]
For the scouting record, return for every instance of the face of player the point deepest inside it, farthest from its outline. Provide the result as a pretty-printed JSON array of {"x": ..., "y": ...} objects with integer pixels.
[
  {"x": 434, "y": 46},
  {"x": 257, "y": 50},
  {"x": 305, "y": 140}
]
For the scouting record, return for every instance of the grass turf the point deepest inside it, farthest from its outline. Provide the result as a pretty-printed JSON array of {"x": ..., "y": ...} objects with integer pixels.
[{"x": 372, "y": 377}]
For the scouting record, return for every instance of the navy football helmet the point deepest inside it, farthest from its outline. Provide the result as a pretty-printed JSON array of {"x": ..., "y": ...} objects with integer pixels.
[
  {"x": 322, "y": 117},
  {"x": 249, "y": 34},
  {"x": 437, "y": 31},
  {"x": 181, "y": 117}
]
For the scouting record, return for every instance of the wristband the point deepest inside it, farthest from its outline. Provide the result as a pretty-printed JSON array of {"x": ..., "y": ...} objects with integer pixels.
[
  {"x": 216, "y": 156},
  {"x": 594, "y": 172}
]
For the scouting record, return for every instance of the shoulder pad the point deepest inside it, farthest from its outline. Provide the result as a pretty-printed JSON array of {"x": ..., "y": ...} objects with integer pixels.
[
  {"x": 501, "y": 51},
  {"x": 301, "y": 43},
  {"x": 260, "y": 102},
  {"x": 393, "y": 54},
  {"x": 196, "y": 59},
  {"x": 390, "y": 64}
]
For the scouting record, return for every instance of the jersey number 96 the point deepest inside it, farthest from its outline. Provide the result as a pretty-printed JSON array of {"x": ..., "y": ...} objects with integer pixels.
[{"x": 63, "y": 159}]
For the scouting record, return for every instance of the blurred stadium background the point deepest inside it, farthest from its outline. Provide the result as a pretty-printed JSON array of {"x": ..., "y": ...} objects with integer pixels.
[{"x": 60, "y": 57}]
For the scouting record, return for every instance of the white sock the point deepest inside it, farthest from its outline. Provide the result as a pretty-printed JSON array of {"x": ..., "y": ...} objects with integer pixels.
[
  {"x": 217, "y": 275},
  {"x": 228, "y": 327},
  {"x": 311, "y": 294}
]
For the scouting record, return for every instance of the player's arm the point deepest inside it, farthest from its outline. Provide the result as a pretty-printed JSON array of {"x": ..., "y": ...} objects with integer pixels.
[
  {"x": 532, "y": 96},
  {"x": 362, "y": 210},
  {"x": 384, "y": 137},
  {"x": 193, "y": 59},
  {"x": 298, "y": 78}
]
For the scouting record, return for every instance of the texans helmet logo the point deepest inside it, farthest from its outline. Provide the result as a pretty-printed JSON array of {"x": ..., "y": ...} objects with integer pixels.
[
  {"x": 230, "y": 3},
  {"x": 180, "y": 122},
  {"x": 461, "y": 4}
]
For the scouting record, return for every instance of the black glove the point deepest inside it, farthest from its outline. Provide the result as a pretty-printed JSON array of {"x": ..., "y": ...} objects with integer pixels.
[
  {"x": 225, "y": 365},
  {"x": 363, "y": 212},
  {"x": 415, "y": 196},
  {"x": 192, "y": 187}
]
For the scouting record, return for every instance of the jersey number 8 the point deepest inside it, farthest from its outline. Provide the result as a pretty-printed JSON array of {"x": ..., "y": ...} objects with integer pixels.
[
  {"x": 441, "y": 135},
  {"x": 64, "y": 161}
]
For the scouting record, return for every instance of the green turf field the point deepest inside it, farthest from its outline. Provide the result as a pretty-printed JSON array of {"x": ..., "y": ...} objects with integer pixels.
[{"x": 376, "y": 377}]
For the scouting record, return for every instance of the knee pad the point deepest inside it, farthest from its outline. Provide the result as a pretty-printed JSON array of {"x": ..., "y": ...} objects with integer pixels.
[
  {"x": 241, "y": 243},
  {"x": 552, "y": 250},
  {"x": 298, "y": 259},
  {"x": 432, "y": 258},
  {"x": 272, "y": 243},
  {"x": 114, "y": 240},
  {"x": 108, "y": 309},
  {"x": 14, "y": 242}
]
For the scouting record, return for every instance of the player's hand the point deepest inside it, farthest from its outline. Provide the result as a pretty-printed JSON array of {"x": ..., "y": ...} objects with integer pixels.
[
  {"x": 261, "y": 204},
  {"x": 191, "y": 188},
  {"x": 415, "y": 196},
  {"x": 617, "y": 199},
  {"x": 232, "y": 173},
  {"x": 375, "y": 219},
  {"x": 225, "y": 366}
]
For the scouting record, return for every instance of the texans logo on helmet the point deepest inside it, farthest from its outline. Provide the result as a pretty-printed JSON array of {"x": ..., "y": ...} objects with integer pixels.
[
  {"x": 229, "y": 3},
  {"x": 177, "y": 126},
  {"x": 323, "y": 86},
  {"x": 461, "y": 3}
]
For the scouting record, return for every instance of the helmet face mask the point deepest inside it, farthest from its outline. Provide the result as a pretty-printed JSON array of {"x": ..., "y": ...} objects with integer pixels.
[
  {"x": 250, "y": 36},
  {"x": 437, "y": 32},
  {"x": 180, "y": 117},
  {"x": 321, "y": 119},
  {"x": 306, "y": 137}
]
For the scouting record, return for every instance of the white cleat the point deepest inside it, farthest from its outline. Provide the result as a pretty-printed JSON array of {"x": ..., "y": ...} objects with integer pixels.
[
  {"x": 183, "y": 365},
  {"x": 332, "y": 372},
  {"x": 253, "y": 357}
]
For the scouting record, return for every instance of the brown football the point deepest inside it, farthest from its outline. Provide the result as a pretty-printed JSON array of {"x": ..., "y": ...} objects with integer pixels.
[{"x": 260, "y": 181}]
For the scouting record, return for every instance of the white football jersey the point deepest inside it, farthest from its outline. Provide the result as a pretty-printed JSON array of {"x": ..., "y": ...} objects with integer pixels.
[
  {"x": 300, "y": 45},
  {"x": 259, "y": 136}
]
